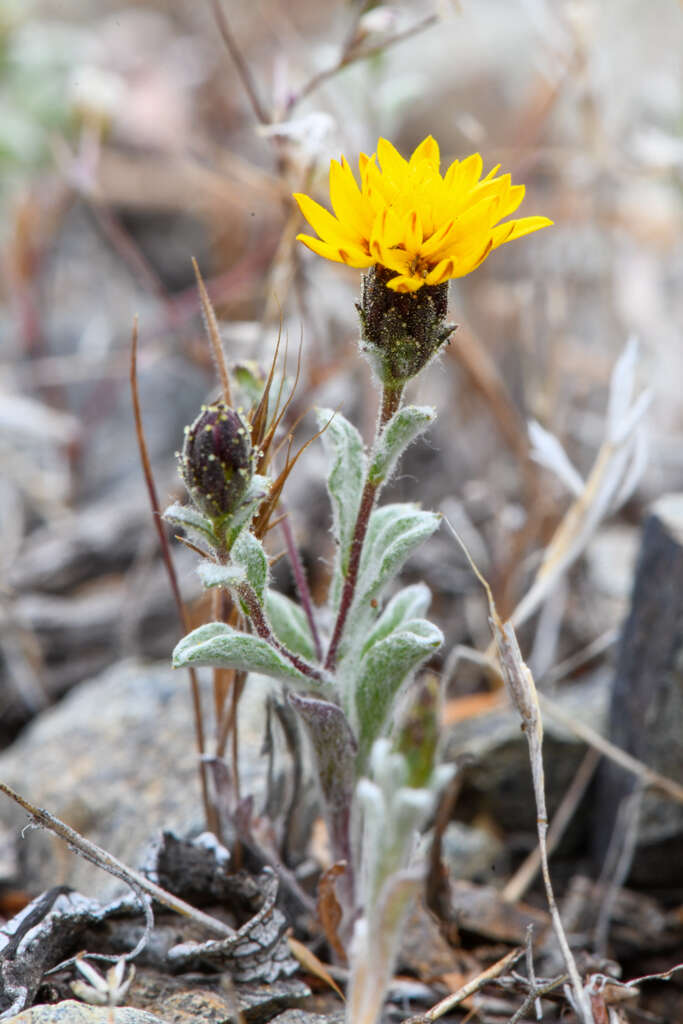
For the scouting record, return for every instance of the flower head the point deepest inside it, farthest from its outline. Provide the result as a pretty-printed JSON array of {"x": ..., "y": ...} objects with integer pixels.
[
  {"x": 216, "y": 461},
  {"x": 407, "y": 218}
]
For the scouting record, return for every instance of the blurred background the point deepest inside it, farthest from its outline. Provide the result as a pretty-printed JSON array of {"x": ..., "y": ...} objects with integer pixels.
[{"x": 135, "y": 136}]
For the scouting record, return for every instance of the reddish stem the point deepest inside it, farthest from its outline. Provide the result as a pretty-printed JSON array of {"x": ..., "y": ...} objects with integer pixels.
[{"x": 391, "y": 400}]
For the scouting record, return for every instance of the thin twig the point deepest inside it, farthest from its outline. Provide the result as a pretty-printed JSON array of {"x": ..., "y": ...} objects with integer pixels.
[
  {"x": 590, "y": 736},
  {"x": 525, "y": 874},
  {"x": 211, "y": 325},
  {"x": 613, "y": 878},
  {"x": 96, "y": 855},
  {"x": 631, "y": 764},
  {"x": 530, "y": 968},
  {"x": 301, "y": 582},
  {"x": 663, "y": 976},
  {"x": 455, "y": 998},
  {"x": 241, "y": 65},
  {"x": 353, "y": 56},
  {"x": 581, "y": 657},
  {"x": 209, "y": 810},
  {"x": 535, "y": 992},
  {"x": 522, "y": 691}
]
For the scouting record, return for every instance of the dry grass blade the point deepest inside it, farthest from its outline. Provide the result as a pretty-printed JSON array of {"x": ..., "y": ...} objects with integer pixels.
[
  {"x": 213, "y": 333},
  {"x": 310, "y": 962},
  {"x": 455, "y": 998},
  {"x": 522, "y": 690},
  {"x": 240, "y": 63},
  {"x": 209, "y": 812},
  {"x": 664, "y": 976},
  {"x": 650, "y": 777},
  {"x": 525, "y": 874},
  {"x": 655, "y": 780},
  {"x": 617, "y": 467}
]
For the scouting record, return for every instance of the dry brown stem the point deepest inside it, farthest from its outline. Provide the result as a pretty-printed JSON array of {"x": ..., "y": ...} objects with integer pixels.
[
  {"x": 107, "y": 862},
  {"x": 522, "y": 690},
  {"x": 209, "y": 810},
  {"x": 455, "y": 998}
]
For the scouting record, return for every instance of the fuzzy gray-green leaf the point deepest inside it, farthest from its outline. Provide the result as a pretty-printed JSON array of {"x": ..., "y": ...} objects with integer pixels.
[
  {"x": 214, "y": 574},
  {"x": 221, "y": 646},
  {"x": 346, "y": 455},
  {"x": 409, "y": 603},
  {"x": 192, "y": 521},
  {"x": 384, "y": 669},
  {"x": 395, "y": 531},
  {"x": 256, "y": 492},
  {"x": 247, "y": 552},
  {"x": 335, "y": 751},
  {"x": 403, "y": 427},
  {"x": 290, "y": 625}
]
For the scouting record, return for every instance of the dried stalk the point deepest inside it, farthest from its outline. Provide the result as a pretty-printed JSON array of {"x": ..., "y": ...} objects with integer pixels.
[
  {"x": 525, "y": 874},
  {"x": 350, "y": 55},
  {"x": 650, "y": 777},
  {"x": 553, "y": 710},
  {"x": 209, "y": 810},
  {"x": 214, "y": 336},
  {"x": 455, "y": 998},
  {"x": 96, "y": 855},
  {"x": 522, "y": 691},
  {"x": 241, "y": 65}
]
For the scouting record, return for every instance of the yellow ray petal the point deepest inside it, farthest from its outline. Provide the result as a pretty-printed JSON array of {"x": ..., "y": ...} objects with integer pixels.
[
  {"x": 427, "y": 150},
  {"x": 470, "y": 170},
  {"x": 387, "y": 231},
  {"x": 397, "y": 259},
  {"x": 346, "y": 199},
  {"x": 403, "y": 283},
  {"x": 439, "y": 238},
  {"x": 412, "y": 232},
  {"x": 511, "y": 201},
  {"x": 521, "y": 227},
  {"x": 441, "y": 272},
  {"x": 392, "y": 163},
  {"x": 321, "y": 220},
  {"x": 492, "y": 173},
  {"x": 467, "y": 266},
  {"x": 353, "y": 257}
]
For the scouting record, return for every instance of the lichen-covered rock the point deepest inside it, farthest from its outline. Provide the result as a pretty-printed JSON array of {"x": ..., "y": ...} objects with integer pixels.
[
  {"x": 73, "y": 1012},
  {"x": 116, "y": 760}
]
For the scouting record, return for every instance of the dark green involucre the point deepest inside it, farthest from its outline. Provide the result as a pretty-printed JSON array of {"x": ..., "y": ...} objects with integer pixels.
[
  {"x": 401, "y": 332},
  {"x": 216, "y": 461}
]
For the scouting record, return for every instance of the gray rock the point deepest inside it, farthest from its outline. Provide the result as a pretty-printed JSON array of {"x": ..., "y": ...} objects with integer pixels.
[
  {"x": 182, "y": 1002},
  {"x": 72, "y": 1012},
  {"x": 116, "y": 760},
  {"x": 305, "y": 1017}
]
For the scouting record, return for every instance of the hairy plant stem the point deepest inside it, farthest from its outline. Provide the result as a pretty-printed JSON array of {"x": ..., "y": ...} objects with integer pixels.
[
  {"x": 262, "y": 628},
  {"x": 391, "y": 400}
]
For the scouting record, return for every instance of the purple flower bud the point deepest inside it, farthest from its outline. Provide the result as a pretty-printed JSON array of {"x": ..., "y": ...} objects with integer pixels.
[{"x": 216, "y": 460}]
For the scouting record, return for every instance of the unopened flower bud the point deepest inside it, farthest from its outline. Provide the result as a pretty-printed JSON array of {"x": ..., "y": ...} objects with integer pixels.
[
  {"x": 216, "y": 460},
  {"x": 401, "y": 331}
]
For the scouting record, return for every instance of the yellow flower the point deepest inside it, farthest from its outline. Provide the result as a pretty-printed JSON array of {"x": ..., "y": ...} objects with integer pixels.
[{"x": 409, "y": 219}]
